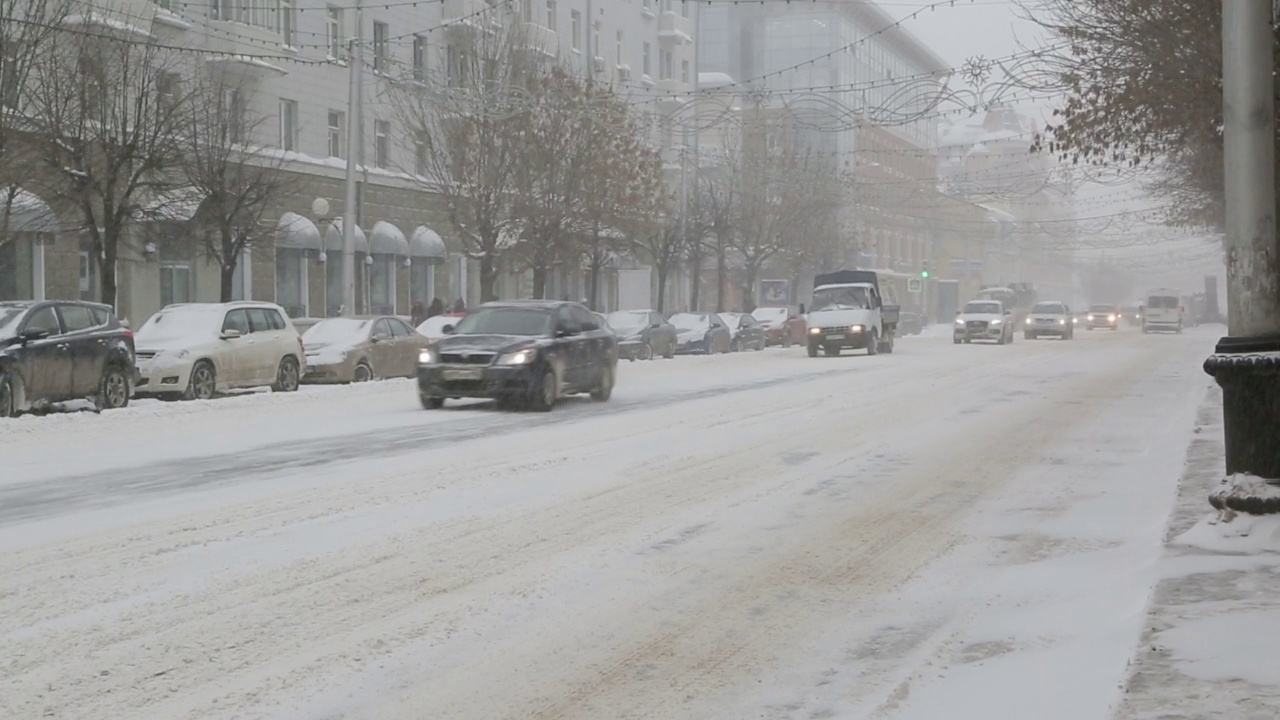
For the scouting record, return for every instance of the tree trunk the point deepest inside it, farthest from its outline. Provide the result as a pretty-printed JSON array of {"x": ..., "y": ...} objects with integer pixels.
[
  {"x": 229, "y": 261},
  {"x": 722, "y": 271},
  {"x": 749, "y": 286},
  {"x": 695, "y": 281},
  {"x": 488, "y": 278},
  {"x": 540, "y": 272},
  {"x": 106, "y": 260},
  {"x": 593, "y": 282},
  {"x": 663, "y": 270}
]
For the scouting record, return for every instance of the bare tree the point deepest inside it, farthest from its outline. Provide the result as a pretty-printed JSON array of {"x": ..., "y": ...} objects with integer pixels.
[
  {"x": 227, "y": 166},
  {"x": 110, "y": 113},
  {"x": 623, "y": 173},
  {"x": 551, "y": 171},
  {"x": 1143, "y": 81},
  {"x": 660, "y": 236},
  {"x": 26, "y": 28},
  {"x": 467, "y": 125}
]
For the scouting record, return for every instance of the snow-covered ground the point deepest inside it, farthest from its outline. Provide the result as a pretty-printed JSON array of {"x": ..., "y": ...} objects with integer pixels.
[{"x": 948, "y": 531}]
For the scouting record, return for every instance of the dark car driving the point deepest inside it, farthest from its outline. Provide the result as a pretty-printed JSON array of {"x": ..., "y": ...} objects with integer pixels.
[
  {"x": 522, "y": 354},
  {"x": 57, "y": 351}
]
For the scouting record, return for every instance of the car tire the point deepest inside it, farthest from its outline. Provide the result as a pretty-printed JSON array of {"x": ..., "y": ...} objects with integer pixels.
[
  {"x": 8, "y": 403},
  {"x": 760, "y": 346},
  {"x": 831, "y": 350},
  {"x": 113, "y": 389},
  {"x": 813, "y": 350},
  {"x": 1028, "y": 336},
  {"x": 786, "y": 340},
  {"x": 288, "y": 375},
  {"x": 671, "y": 351},
  {"x": 430, "y": 402},
  {"x": 873, "y": 343},
  {"x": 646, "y": 352},
  {"x": 604, "y": 385},
  {"x": 544, "y": 396},
  {"x": 203, "y": 383},
  {"x": 363, "y": 373},
  {"x": 956, "y": 340}
]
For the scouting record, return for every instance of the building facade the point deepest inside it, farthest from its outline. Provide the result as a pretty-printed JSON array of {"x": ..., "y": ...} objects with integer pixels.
[{"x": 293, "y": 62}]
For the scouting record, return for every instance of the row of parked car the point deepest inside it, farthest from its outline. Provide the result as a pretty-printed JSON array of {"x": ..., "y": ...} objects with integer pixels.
[{"x": 56, "y": 351}]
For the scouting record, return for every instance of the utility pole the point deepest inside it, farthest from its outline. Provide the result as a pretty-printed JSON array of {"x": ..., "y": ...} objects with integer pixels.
[
  {"x": 349, "y": 203},
  {"x": 1246, "y": 363}
]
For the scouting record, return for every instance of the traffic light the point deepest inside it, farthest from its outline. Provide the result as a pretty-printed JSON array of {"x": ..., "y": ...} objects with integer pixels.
[{"x": 924, "y": 269}]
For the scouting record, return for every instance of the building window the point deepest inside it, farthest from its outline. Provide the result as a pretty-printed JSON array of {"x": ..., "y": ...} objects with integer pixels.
[
  {"x": 684, "y": 8},
  {"x": 668, "y": 65},
  {"x": 335, "y": 134},
  {"x": 684, "y": 71},
  {"x": 420, "y": 156},
  {"x": 526, "y": 10},
  {"x": 167, "y": 88},
  {"x": 647, "y": 4},
  {"x": 288, "y": 22},
  {"x": 648, "y": 59},
  {"x": 382, "y": 285},
  {"x": 233, "y": 115},
  {"x": 419, "y": 58},
  {"x": 380, "y": 35},
  {"x": 575, "y": 29},
  {"x": 619, "y": 52},
  {"x": 551, "y": 15},
  {"x": 596, "y": 48},
  {"x": 291, "y": 281},
  {"x": 333, "y": 31},
  {"x": 288, "y": 125},
  {"x": 175, "y": 283},
  {"x": 381, "y": 143}
]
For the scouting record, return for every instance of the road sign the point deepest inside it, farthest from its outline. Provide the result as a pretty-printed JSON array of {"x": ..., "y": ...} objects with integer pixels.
[{"x": 914, "y": 285}]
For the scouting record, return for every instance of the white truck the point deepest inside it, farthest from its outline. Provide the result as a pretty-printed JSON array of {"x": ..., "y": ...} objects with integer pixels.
[{"x": 849, "y": 311}]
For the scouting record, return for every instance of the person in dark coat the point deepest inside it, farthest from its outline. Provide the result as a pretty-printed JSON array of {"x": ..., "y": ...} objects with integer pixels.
[
  {"x": 460, "y": 306},
  {"x": 436, "y": 308},
  {"x": 418, "y": 314}
]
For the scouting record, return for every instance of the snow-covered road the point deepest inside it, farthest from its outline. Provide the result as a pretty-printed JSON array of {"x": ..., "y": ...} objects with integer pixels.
[{"x": 753, "y": 535}]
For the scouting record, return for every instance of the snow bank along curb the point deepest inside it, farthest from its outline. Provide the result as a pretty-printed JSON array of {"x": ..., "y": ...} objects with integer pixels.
[
  {"x": 1209, "y": 646},
  {"x": 1245, "y": 494}
]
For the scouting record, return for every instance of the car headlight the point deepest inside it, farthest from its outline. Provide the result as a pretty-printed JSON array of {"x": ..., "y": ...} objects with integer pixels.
[
  {"x": 997, "y": 321},
  {"x": 959, "y": 321},
  {"x": 427, "y": 356},
  {"x": 1111, "y": 318},
  {"x": 1090, "y": 317},
  {"x": 856, "y": 328},
  {"x": 519, "y": 357},
  {"x": 815, "y": 331},
  {"x": 1062, "y": 322}
]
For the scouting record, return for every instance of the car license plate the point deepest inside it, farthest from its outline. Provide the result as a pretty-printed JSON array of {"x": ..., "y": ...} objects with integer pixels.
[
  {"x": 463, "y": 374},
  {"x": 839, "y": 336}
]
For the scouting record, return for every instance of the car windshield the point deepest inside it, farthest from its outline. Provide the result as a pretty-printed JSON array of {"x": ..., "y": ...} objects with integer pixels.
[
  {"x": 690, "y": 321},
  {"x": 192, "y": 323},
  {"x": 770, "y": 315},
  {"x": 506, "y": 321},
  {"x": 840, "y": 298},
  {"x": 983, "y": 308},
  {"x": 1048, "y": 308},
  {"x": 1162, "y": 301},
  {"x": 1102, "y": 308},
  {"x": 337, "y": 331},
  {"x": 625, "y": 321},
  {"x": 9, "y": 317}
]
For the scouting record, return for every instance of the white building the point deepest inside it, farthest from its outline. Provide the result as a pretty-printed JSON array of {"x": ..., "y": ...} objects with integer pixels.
[{"x": 294, "y": 56}]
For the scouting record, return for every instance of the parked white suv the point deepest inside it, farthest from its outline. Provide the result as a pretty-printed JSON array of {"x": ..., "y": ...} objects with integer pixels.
[{"x": 196, "y": 350}]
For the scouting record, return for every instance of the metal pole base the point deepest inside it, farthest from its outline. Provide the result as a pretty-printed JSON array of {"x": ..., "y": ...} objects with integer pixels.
[{"x": 1248, "y": 371}]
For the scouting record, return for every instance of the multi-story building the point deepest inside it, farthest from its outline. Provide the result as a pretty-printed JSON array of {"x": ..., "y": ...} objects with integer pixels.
[
  {"x": 293, "y": 59},
  {"x": 863, "y": 86}
]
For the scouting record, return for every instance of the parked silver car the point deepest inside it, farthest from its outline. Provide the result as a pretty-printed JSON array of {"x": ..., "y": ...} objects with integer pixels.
[{"x": 359, "y": 349}]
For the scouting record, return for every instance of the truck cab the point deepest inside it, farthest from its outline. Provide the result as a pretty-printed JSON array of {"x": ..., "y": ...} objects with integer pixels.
[{"x": 849, "y": 311}]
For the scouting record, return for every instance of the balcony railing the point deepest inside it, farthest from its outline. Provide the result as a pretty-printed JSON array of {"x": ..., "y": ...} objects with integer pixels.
[{"x": 674, "y": 27}]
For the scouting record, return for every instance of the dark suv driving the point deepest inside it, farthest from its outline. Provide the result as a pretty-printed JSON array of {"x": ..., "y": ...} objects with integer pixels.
[
  {"x": 523, "y": 354},
  {"x": 54, "y": 351}
]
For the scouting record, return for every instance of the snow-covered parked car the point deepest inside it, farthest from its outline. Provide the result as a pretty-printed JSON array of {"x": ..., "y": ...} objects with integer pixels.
[
  {"x": 360, "y": 349},
  {"x": 433, "y": 328},
  {"x": 196, "y": 350},
  {"x": 984, "y": 320},
  {"x": 704, "y": 333}
]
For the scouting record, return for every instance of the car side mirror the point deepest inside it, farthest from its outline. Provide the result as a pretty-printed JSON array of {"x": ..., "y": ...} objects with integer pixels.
[
  {"x": 231, "y": 334},
  {"x": 801, "y": 308},
  {"x": 447, "y": 329},
  {"x": 1008, "y": 312},
  {"x": 957, "y": 313},
  {"x": 563, "y": 332},
  {"x": 30, "y": 335},
  {"x": 656, "y": 326},
  {"x": 379, "y": 337}
]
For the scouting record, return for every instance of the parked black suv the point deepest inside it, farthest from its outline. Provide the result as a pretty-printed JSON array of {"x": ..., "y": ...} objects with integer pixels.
[
  {"x": 524, "y": 354},
  {"x": 54, "y": 351}
]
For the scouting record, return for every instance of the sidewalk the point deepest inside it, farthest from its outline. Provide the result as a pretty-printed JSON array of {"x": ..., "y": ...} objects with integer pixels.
[{"x": 1211, "y": 644}]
